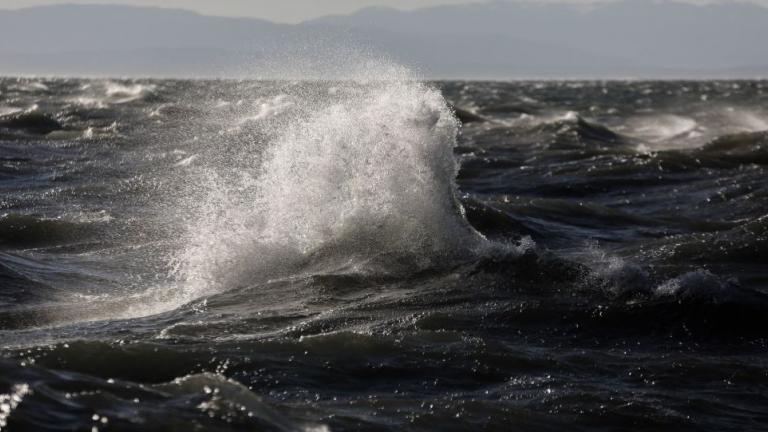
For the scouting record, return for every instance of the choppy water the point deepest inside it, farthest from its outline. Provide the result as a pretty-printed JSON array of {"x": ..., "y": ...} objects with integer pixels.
[{"x": 221, "y": 255}]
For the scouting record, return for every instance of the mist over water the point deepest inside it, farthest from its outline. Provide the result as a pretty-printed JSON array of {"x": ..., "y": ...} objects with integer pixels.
[{"x": 370, "y": 251}]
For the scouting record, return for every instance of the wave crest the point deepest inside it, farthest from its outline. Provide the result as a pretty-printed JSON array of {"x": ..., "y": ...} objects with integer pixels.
[{"x": 360, "y": 179}]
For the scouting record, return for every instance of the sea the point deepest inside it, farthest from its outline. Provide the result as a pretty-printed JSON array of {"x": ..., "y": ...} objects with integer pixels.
[{"x": 383, "y": 253}]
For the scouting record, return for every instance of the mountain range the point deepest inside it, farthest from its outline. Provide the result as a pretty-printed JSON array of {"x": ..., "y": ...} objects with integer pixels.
[{"x": 494, "y": 40}]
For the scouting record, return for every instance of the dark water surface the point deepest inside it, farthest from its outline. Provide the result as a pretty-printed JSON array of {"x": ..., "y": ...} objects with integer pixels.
[{"x": 221, "y": 255}]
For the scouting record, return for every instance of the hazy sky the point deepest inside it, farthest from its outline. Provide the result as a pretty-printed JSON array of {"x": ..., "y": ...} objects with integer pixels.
[{"x": 276, "y": 10}]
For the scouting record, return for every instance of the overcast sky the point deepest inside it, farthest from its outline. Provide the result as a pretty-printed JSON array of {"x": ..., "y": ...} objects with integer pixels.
[{"x": 275, "y": 10}]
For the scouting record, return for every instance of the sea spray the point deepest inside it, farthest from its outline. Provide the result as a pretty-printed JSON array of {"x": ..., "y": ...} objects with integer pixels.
[{"x": 356, "y": 178}]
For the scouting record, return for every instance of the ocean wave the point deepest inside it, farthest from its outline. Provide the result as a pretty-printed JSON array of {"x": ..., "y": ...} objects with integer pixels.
[
  {"x": 554, "y": 131},
  {"x": 23, "y": 231},
  {"x": 224, "y": 402},
  {"x": 747, "y": 120},
  {"x": 326, "y": 260},
  {"x": 656, "y": 128},
  {"x": 7, "y": 110},
  {"x": 120, "y": 93},
  {"x": 365, "y": 181},
  {"x": 746, "y": 242},
  {"x": 101, "y": 95},
  {"x": 32, "y": 121},
  {"x": 747, "y": 147}
]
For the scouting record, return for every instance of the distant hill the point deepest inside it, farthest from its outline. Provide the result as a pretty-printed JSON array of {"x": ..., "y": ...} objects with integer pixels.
[{"x": 499, "y": 39}]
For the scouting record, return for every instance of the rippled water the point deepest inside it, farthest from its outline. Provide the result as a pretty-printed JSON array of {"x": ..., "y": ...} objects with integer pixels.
[{"x": 347, "y": 255}]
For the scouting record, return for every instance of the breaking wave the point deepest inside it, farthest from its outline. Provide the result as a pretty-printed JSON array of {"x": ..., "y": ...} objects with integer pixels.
[{"x": 358, "y": 179}]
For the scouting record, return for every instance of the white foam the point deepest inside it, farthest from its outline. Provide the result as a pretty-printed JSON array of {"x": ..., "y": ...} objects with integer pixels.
[
  {"x": 697, "y": 284},
  {"x": 359, "y": 179},
  {"x": 36, "y": 85},
  {"x": 122, "y": 93},
  {"x": 528, "y": 120},
  {"x": 670, "y": 131},
  {"x": 222, "y": 396},
  {"x": 9, "y": 110},
  {"x": 11, "y": 400},
  {"x": 747, "y": 121},
  {"x": 187, "y": 161},
  {"x": 90, "y": 102},
  {"x": 614, "y": 273},
  {"x": 270, "y": 107},
  {"x": 110, "y": 92},
  {"x": 664, "y": 131}
]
